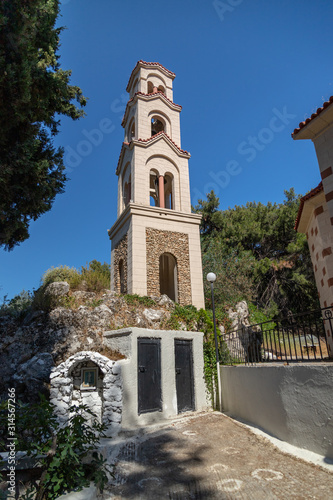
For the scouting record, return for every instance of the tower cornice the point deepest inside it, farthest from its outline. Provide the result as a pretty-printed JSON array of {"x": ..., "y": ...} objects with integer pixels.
[
  {"x": 148, "y": 65},
  {"x": 153, "y": 212},
  {"x": 149, "y": 97},
  {"x": 151, "y": 140}
]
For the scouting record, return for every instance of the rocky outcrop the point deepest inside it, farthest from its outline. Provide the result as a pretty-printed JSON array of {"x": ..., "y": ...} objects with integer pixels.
[
  {"x": 31, "y": 346},
  {"x": 243, "y": 341},
  {"x": 57, "y": 289}
]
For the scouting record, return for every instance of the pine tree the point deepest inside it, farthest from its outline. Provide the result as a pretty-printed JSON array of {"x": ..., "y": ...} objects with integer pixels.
[{"x": 34, "y": 92}]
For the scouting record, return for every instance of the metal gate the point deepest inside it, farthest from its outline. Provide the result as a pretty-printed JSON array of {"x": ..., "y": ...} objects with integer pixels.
[
  {"x": 184, "y": 375},
  {"x": 149, "y": 375}
]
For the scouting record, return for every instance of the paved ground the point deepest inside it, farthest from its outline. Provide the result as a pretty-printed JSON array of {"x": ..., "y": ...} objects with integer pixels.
[{"x": 210, "y": 456}]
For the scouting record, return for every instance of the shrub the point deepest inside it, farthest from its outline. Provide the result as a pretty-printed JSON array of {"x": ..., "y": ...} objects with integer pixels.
[
  {"x": 63, "y": 449},
  {"x": 133, "y": 300},
  {"x": 96, "y": 276},
  {"x": 18, "y": 306},
  {"x": 61, "y": 273}
]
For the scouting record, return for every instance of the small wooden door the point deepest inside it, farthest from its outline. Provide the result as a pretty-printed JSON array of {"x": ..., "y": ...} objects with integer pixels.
[
  {"x": 149, "y": 375},
  {"x": 184, "y": 375}
]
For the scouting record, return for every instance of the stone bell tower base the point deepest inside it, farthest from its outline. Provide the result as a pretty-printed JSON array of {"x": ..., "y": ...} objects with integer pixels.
[{"x": 140, "y": 235}]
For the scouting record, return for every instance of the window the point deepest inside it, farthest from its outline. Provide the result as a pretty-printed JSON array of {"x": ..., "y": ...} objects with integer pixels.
[{"x": 89, "y": 378}]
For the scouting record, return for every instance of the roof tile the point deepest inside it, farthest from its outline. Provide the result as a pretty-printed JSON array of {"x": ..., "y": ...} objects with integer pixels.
[
  {"x": 314, "y": 115},
  {"x": 306, "y": 197}
]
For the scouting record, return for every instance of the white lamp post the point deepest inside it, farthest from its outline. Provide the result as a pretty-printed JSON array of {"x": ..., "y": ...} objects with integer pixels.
[{"x": 211, "y": 277}]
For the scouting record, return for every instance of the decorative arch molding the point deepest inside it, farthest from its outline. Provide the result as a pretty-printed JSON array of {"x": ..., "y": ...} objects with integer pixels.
[
  {"x": 162, "y": 169},
  {"x": 154, "y": 77},
  {"x": 62, "y": 388}
]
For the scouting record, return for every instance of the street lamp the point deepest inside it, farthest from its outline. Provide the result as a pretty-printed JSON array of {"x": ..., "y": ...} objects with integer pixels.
[{"x": 211, "y": 277}]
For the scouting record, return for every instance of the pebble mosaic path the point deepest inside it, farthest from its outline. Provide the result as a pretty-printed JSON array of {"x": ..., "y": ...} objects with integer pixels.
[{"x": 210, "y": 456}]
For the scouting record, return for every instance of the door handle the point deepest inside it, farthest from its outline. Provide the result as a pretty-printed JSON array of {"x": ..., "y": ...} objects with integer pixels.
[
  {"x": 178, "y": 371},
  {"x": 142, "y": 369}
]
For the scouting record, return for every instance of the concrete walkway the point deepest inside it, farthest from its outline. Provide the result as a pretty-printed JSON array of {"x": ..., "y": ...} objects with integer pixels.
[{"x": 209, "y": 456}]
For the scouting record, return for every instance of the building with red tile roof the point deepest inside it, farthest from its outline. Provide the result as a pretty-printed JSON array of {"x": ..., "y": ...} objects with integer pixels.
[{"x": 315, "y": 214}]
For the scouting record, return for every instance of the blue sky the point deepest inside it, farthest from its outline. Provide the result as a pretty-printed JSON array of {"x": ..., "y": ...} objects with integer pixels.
[{"x": 247, "y": 72}]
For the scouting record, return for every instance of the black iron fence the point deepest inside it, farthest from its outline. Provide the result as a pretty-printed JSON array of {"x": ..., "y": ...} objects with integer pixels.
[{"x": 300, "y": 337}]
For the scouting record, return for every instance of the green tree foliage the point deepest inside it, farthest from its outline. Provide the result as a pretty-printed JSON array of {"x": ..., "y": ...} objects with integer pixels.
[
  {"x": 257, "y": 254},
  {"x": 34, "y": 92},
  {"x": 63, "y": 451}
]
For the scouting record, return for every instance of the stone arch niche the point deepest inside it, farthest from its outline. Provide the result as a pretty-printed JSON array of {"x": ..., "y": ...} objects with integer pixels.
[
  {"x": 120, "y": 266},
  {"x": 160, "y": 242},
  {"x": 88, "y": 378},
  {"x": 122, "y": 276},
  {"x": 168, "y": 276}
]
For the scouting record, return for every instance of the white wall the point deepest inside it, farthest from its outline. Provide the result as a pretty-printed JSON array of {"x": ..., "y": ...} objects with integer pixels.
[
  {"x": 293, "y": 403},
  {"x": 125, "y": 341}
]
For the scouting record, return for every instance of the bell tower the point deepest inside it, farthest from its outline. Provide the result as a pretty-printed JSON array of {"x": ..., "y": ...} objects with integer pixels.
[{"x": 155, "y": 241}]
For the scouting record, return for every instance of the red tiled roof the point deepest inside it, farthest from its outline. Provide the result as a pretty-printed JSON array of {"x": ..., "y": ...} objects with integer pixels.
[
  {"x": 183, "y": 151},
  {"x": 166, "y": 135},
  {"x": 314, "y": 115},
  {"x": 149, "y": 95},
  {"x": 306, "y": 197},
  {"x": 145, "y": 63}
]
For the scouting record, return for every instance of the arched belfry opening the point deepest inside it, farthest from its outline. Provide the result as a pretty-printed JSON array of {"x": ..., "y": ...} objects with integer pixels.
[
  {"x": 168, "y": 191},
  {"x": 127, "y": 192},
  {"x": 168, "y": 276},
  {"x": 153, "y": 188},
  {"x": 150, "y": 87},
  {"x": 157, "y": 126},
  {"x": 161, "y": 190}
]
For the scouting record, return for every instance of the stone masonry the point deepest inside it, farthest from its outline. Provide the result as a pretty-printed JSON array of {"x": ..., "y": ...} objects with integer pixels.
[
  {"x": 106, "y": 400},
  {"x": 120, "y": 253},
  {"x": 159, "y": 242}
]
